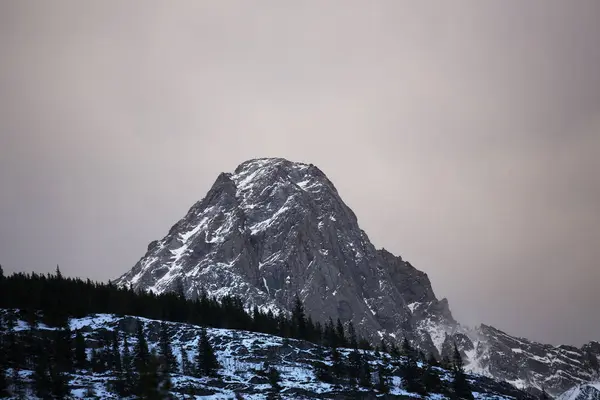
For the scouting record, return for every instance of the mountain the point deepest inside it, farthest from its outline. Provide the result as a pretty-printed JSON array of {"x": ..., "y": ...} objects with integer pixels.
[
  {"x": 241, "y": 355},
  {"x": 275, "y": 229},
  {"x": 590, "y": 391}
]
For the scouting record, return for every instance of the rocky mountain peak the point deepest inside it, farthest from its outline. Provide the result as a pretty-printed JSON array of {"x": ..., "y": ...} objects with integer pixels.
[{"x": 274, "y": 229}]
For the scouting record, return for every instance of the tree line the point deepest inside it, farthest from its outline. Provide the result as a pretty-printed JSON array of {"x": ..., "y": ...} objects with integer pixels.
[{"x": 49, "y": 299}]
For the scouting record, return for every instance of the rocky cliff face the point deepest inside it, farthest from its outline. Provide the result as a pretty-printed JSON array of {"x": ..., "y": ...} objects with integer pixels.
[
  {"x": 275, "y": 228},
  {"x": 589, "y": 391},
  {"x": 524, "y": 363}
]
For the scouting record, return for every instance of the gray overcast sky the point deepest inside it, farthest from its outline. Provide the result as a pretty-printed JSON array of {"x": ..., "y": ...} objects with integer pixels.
[{"x": 465, "y": 135}]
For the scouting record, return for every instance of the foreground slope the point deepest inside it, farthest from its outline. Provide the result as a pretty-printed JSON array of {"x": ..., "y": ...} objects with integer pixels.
[
  {"x": 241, "y": 355},
  {"x": 275, "y": 228}
]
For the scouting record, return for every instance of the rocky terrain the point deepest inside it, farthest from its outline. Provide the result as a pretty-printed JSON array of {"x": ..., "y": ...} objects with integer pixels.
[
  {"x": 241, "y": 355},
  {"x": 589, "y": 391},
  {"x": 275, "y": 229}
]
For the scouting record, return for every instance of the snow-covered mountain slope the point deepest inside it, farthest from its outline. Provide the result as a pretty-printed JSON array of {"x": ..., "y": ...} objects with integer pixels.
[
  {"x": 275, "y": 228},
  {"x": 241, "y": 354},
  {"x": 589, "y": 391},
  {"x": 525, "y": 363}
]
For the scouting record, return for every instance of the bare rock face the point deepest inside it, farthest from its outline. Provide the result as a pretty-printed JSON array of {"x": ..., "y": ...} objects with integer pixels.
[{"x": 275, "y": 228}]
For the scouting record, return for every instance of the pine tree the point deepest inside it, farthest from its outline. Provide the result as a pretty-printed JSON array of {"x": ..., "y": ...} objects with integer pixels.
[
  {"x": 394, "y": 351},
  {"x": 116, "y": 364},
  {"x": 329, "y": 334},
  {"x": 59, "y": 382},
  {"x": 165, "y": 384},
  {"x": 322, "y": 370},
  {"x": 364, "y": 344},
  {"x": 311, "y": 332},
  {"x": 299, "y": 319},
  {"x": 462, "y": 389},
  {"x": 63, "y": 351},
  {"x": 256, "y": 319},
  {"x": 120, "y": 384},
  {"x": 384, "y": 348},
  {"x": 352, "y": 336},
  {"x": 95, "y": 363},
  {"x": 80, "y": 355},
  {"x": 383, "y": 384},
  {"x": 410, "y": 370},
  {"x": 149, "y": 380},
  {"x": 186, "y": 367},
  {"x": 339, "y": 332},
  {"x": 141, "y": 354},
  {"x": 13, "y": 356},
  {"x": 206, "y": 361},
  {"x": 274, "y": 378},
  {"x": 127, "y": 363},
  {"x": 42, "y": 383},
  {"x": 166, "y": 352},
  {"x": 18, "y": 386},
  {"x": 338, "y": 367},
  {"x": 431, "y": 360},
  {"x": 364, "y": 379},
  {"x": 355, "y": 366},
  {"x": 61, "y": 363},
  {"x": 431, "y": 379},
  {"x": 90, "y": 391},
  {"x": 3, "y": 368}
]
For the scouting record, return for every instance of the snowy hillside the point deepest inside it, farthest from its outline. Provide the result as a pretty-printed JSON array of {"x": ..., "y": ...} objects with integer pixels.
[
  {"x": 242, "y": 355},
  {"x": 590, "y": 391},
  {"x": 275, "y": 228}
]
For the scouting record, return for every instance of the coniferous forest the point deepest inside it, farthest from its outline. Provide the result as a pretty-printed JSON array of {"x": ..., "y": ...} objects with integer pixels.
[{"x": 52, "y": 355}]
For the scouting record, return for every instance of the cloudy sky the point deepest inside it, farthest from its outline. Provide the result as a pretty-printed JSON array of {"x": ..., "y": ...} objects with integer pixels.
[{"x": 465, "y": 135}]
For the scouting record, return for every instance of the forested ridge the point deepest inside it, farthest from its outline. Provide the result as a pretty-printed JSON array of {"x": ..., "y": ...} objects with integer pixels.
[{"x": 54, "y": 353}]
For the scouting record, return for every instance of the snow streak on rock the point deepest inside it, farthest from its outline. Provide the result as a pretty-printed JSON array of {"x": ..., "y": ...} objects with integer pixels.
[{"x": 274, "y": 229}]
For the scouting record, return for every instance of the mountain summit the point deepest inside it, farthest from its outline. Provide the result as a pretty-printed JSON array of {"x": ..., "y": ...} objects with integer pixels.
[{"x": 274, "y": 229}]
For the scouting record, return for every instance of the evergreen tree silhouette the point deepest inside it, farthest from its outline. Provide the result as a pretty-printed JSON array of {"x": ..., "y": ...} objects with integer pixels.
[
  {"x": 149, "y": 379},
  {"x": 141, "y": 355},
  {"x": 329, "y": 335},
  {"x": 355, "y": 366},
  {"x": 462, "y": 389},
  {"x": 186, "y": 367},
  {"x": 115, "y": 358},
  {"x": 127, "y": 364},
  {"x": 338, "y": 367},
  {"x": 166, "y": 352},
  {"x": 3, "y": 366},
  {"x": 410, "y": 370},
  {"x": 352, "y": 336},
  {"x": 299, "y": 319},
  {"x": 383, "y": 346},
  {"x": 206, "y": 361},
  {"x": 431, "y": 360},
  {"x": 431, "y": 379},
  {"x": 42, "y": 384},
  {"x": 394, "y": 351},
  {"x": 383, "y": 384},
  {"x": 365, "y": 379},
  {"x": 340, "y": 336},
  {"x": 80, "y": 354}
]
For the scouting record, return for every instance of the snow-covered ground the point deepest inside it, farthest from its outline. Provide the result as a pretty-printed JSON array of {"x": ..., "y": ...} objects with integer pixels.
[{"x": 241, "y": 355}]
